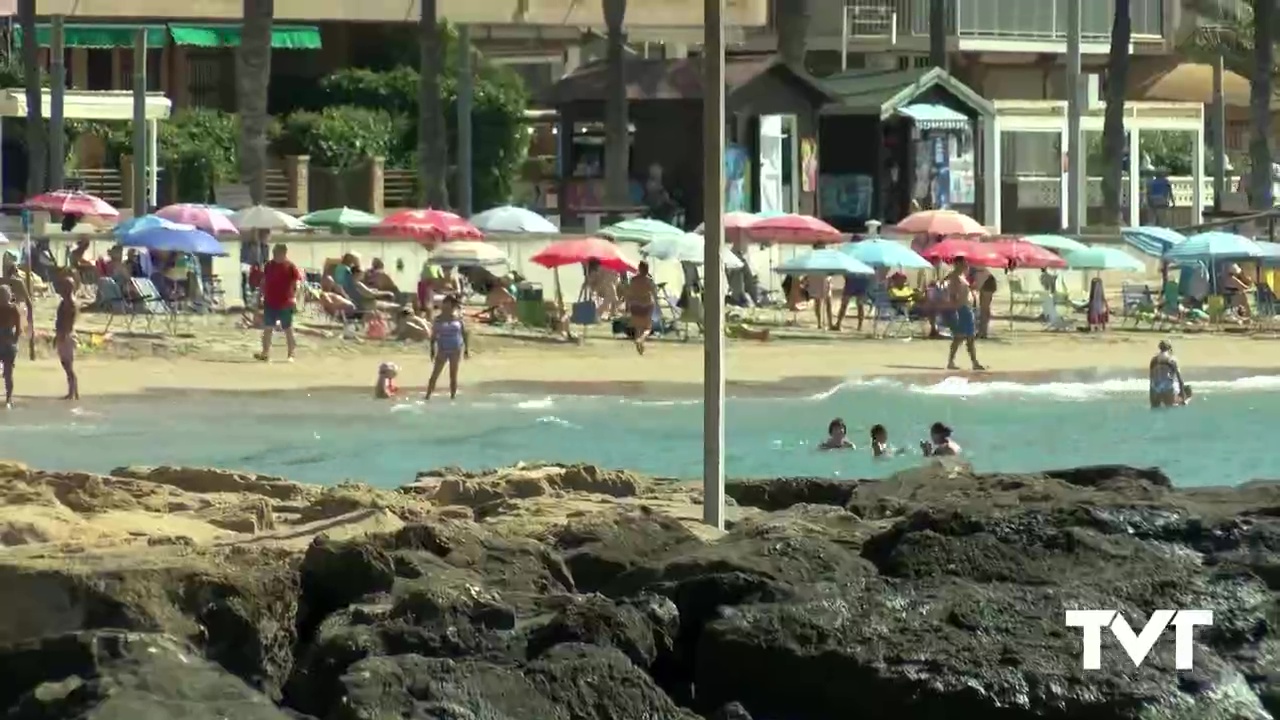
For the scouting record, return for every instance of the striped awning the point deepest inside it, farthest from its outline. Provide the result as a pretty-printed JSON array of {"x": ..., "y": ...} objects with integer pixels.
[{"x": 928, "y": 116}]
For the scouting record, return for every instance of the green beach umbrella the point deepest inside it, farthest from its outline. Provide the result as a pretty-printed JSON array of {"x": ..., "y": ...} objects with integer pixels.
[
  {"x": 640, "y": 230},
  {"x": 1102, "y": 257},
  {"x": 343, "y": 218},
  {"x": 1056, "y": 243}
]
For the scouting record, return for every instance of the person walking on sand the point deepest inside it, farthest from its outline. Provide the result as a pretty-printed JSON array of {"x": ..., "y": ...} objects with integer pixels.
[
  {"x": 449, "y": 344},
  {"x": 642, "y": 298},
  {"x": 958, "y": 314},
  {"x": 64, "y": 335},
  {"x": 280, "y": 279},
  {"x": 10, "y": 331},
  {"x": 1165, "y": 377}
]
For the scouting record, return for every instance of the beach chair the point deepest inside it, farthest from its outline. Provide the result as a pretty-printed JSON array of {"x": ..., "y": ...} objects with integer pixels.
[
  {"x": 111, "y": 300},
  {"x": 1022, "y": 299},
  {"x": 1137, "y": 306},
  {"x": 1053, "y": 321},
  {"x": 896, "y": 317},
  {"x": 151, "y": 304}
]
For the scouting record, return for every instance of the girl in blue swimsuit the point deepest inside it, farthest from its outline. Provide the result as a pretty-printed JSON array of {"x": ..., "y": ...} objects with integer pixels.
[{"x": 448, "y": 345}]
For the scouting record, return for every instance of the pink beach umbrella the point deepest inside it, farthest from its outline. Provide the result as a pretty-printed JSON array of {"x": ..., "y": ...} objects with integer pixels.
[
  {"x": 427, "y": 226},
  {"x": 206, "y": 217},
  {"x": 72, "y": 202},
  {"x": 581, "y": 250},
  {"x": 793, "y": 230},
  {"x": 941, "y": 222}
]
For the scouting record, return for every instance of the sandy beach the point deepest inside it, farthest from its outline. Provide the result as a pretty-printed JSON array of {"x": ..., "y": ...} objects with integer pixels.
[{"x": 212, "y": 353}]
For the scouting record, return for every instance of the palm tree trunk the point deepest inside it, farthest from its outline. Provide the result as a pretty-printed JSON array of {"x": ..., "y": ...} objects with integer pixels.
[
  {"x": 617, "y": 141},
  {"x": 253, "y": 77},
  {"x": 37, "y": 155},
  {"x": 1113, "y": 137},
  {"x": 433, "y": 151},
  {"x": 1260, "y": 90},
  {"x": 792, "y": 19}
]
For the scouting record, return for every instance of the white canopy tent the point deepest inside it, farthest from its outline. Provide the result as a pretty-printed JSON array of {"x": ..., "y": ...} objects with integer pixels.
[{"x": 103, "y": 105}]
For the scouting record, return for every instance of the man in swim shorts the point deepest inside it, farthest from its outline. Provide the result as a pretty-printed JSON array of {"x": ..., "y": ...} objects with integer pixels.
[
  {"x": 10, "y": 331},
  {"x": 958, "y": 313},
  {"x": 642, "y": 298},
  {"x": 1165, "y": 377}
]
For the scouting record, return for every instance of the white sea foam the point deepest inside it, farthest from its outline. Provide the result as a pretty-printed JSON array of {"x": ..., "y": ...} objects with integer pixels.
[
  {"x": 969, "y": 387},
  {"x": 553, "y": 420},
  {"x": 540, "y": 404}
]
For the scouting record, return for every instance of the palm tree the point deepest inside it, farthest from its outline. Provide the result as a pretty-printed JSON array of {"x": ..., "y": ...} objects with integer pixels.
[
  {"x": 37, "y": 155},
  {"x": 791, "y": 20},
  {"x": 1260, "y": 98},
  {"x": 433, "y": 151},
  {"x": 1113, "y": 135},
  {"x": 253, "y": 77},
  {"x": 617, "y": 141}
]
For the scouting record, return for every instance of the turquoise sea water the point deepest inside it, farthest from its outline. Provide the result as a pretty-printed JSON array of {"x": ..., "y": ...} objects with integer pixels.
[{"x": 1226, "y": 436}]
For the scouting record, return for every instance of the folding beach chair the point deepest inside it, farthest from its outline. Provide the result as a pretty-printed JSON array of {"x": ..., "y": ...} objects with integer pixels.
[
  {"x": 111, "y": 300},
  {"x": 150, "y": 303},
  {"x": 895, "y": 317}
]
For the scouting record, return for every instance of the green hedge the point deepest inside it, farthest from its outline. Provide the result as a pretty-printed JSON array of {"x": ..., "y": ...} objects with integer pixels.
[{"x": 340, "y": 137}]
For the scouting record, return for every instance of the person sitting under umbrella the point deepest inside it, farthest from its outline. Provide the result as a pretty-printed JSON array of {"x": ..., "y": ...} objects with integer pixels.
[{"x": 1235, "y": 291}]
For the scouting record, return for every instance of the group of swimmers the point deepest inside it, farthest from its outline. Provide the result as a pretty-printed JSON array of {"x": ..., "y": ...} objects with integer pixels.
[{"x": 939, "y": 444}]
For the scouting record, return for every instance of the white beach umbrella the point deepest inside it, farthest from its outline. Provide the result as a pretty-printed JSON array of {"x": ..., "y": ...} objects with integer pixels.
[
  {"x": 261, "y": 217},
  {"x": 512, "y": 219},
  {"x": 686, "y": 248},
  {"x": 468, "y": 254}
]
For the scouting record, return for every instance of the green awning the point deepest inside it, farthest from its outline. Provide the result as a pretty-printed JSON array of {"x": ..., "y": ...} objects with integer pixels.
[
  {"x": 85, "y": 35},
  {"x": 284, "y": 37}
]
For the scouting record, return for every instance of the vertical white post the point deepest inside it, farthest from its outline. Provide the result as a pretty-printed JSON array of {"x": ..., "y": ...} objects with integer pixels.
[
  {"x": 713, "y": 265},
  {"x": 1197, "y": 194},
  {"x": 1064, "y": 182},
  {"x": 153, "y": 163},
  {"x": 995, "y": 176},
  {"x": 1135, "y": 177},
  {"x": 844, "y": 38},
  {"x": 990, "y": 172},
  {"x": 1075, "y": 199}
]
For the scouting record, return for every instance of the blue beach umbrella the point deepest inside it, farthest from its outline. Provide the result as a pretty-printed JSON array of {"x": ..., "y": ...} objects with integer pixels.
[
  {"x": 1056, "y": 243},
  {"x": 826, "y": 261},
  {"x": 1270, "y": 252},
  {"x": 882, "y": 253},
  {"x": 1102, "y": 257},
  {"x": 144, "y": 222},
  {"x": 1214, "y": 245},
  {"x": 1151, "y": 240},
  {"x": 174, "y": 237}
]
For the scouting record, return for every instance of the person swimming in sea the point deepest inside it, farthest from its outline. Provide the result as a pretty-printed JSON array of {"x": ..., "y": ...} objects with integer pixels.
[
  {"x": 385, "y": 387},
  {"x": 1165, "y": 377},
  {"x": 880, "y": 446},
  {"x": 837, "y": 436},
  {"x": 1185, "y": 397},
  {"x": 939, "y": 443}
]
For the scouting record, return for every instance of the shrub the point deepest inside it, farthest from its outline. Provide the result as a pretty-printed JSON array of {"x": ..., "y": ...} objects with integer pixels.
[{"x": 338, "y": 137}]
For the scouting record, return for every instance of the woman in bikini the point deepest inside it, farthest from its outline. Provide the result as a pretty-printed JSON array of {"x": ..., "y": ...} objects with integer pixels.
[{"x": 642, "y": 298}]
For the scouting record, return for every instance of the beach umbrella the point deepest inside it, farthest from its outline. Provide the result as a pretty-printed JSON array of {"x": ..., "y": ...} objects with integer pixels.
[
  {"x": 581, "y": 250},
  {"x": 1103, "y": 257},
  {"x": 688, "y": 247},
  {"x": 1270, "y": 251},
  {"x": 174, "y": 237},
  {"x": 883, "y": 253},
  {"x": 640, "y": 230},
  {"x": 427, "y": 226},
  {"x": 1214, "y": 245},
  {"x": 976, "y": 253},
  {"x": 1023, "y": 254},
  {"x": 1151, "y": 240},
  {"x": 205, "y": 217},
  {"x": 468, "y": 254},
  {"x": 261, "y": 217},
  {"x": 512, "y": 219},
  {"x": 340, "y": 218},
  {"x": 139, "y": 223},
  {"x": 72, "y": 202},
  {"x": 940, "y": 222},
  {"x": 792, "y": 229},
  {"x": 1056, "y": 243},
  {"x": 827, "y": 261},
  {"x": 736, "y": 220}
]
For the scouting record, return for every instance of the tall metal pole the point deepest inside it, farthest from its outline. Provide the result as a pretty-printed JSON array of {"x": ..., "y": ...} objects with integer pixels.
[
  {"x": 140, "y": 122},
  {"x": 57, "y": 93},
  {"x": 713, "y": 265},
  {"x": 466, "y": 90},
  {"x": 1075, "y": 139},
  {"x": 1219, "y": 124}
]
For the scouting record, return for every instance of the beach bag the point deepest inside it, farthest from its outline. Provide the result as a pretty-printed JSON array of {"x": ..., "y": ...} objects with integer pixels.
[{"x": 584, "y": 312}]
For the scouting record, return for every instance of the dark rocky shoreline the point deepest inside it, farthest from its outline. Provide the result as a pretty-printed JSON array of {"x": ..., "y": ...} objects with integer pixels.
[{"x": 937, "y": 593}]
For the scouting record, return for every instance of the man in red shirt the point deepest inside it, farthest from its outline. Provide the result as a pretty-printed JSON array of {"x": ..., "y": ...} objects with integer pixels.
[{"x": 280, "y": 279}]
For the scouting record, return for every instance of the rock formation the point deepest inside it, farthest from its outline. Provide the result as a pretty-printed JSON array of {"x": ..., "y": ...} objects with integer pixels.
[{"x": 573, "y": 593}]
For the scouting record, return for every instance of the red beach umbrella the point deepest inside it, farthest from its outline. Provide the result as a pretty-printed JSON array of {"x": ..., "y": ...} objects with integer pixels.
[
  {"x": 793, "y": 230},
  {"x": 976, "y": 253},
  {"x": 581, "y": 250},
  {"x": 1027, "y": 255},
  {"x": 940, "y": 222},
  {"x": 72, "y": 202},
  {"x": 427, "y": 226}
]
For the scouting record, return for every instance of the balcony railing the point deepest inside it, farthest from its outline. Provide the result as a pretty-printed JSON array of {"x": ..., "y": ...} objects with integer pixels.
[{"x": 1001, "y": 19}]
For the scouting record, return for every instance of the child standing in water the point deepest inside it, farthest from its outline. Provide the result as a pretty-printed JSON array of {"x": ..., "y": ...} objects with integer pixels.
[
  {"x": 449, "y": 344},
  {"x": 64, "y": 336},
  {"x": 385, "y": 388}
]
